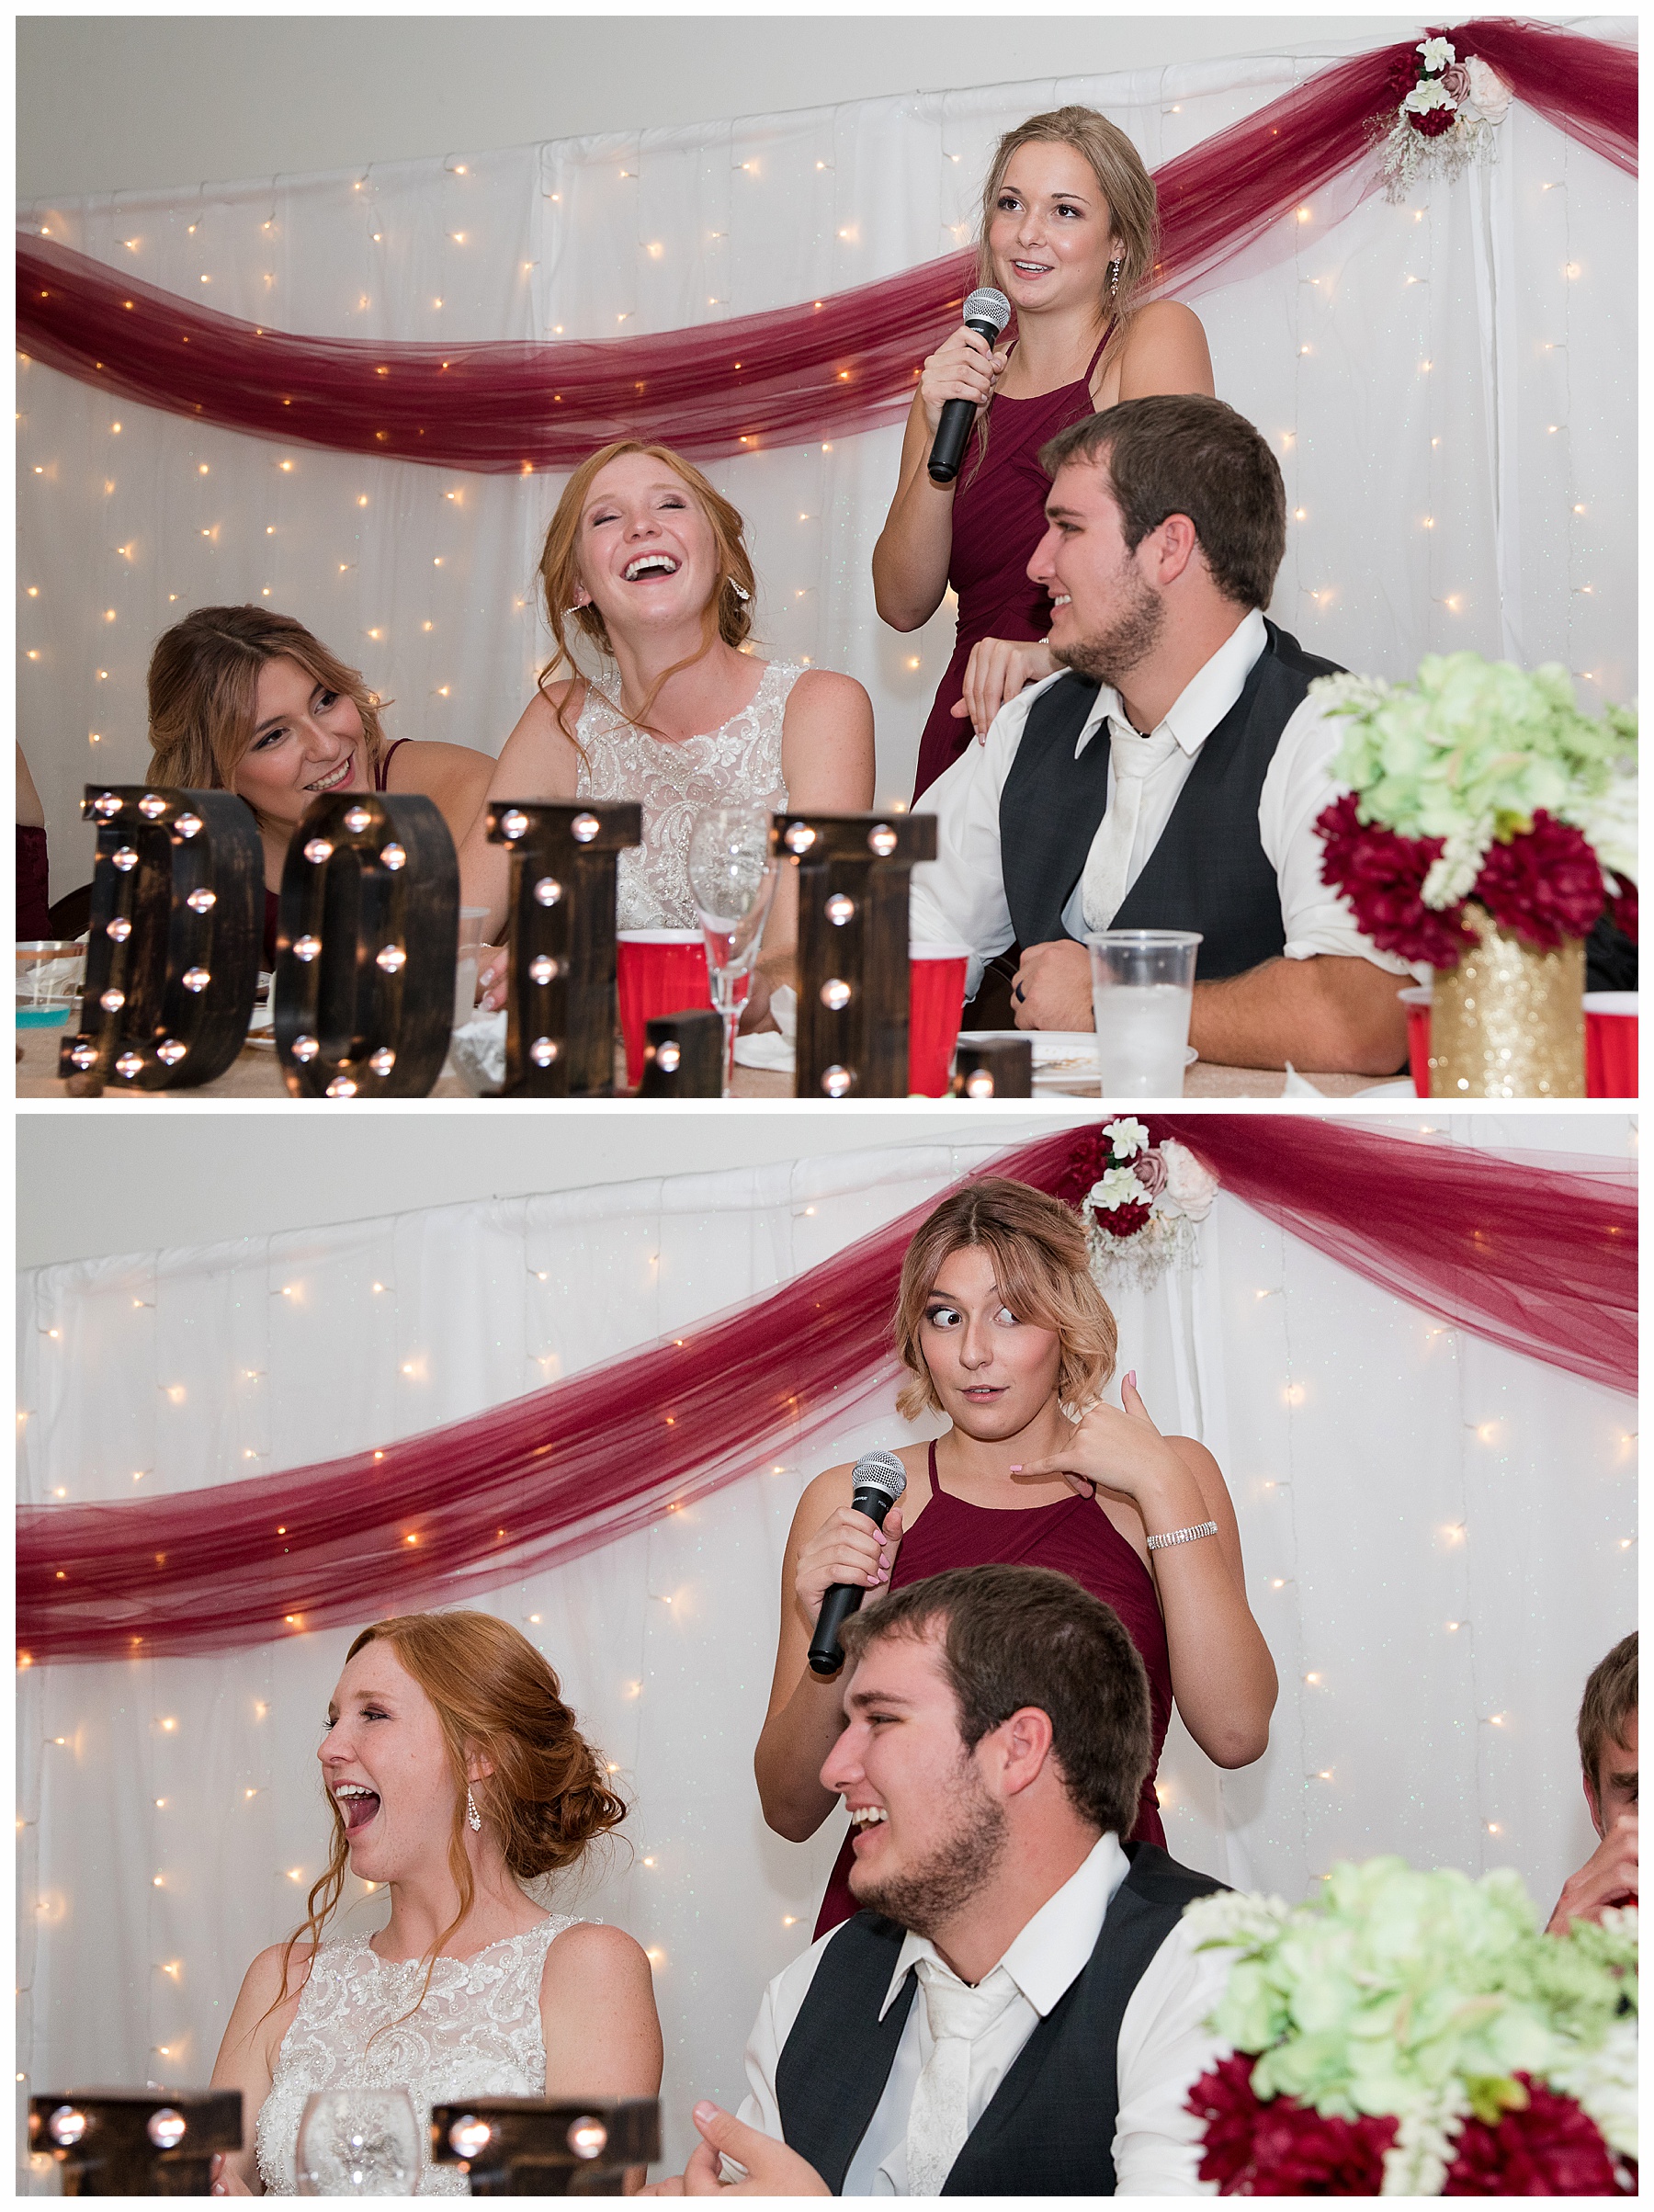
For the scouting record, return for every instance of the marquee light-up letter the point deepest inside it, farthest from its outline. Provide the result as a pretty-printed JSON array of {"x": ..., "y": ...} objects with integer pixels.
[
  {"x": 853, "y": 947},
  {"x": 1003, "y": 1068},
  {"x": 366, "y": 947},
  {"x": 560, "y": 1034},
  {"x": 172, "y": 957},
  {"x": 684, "y": 1055}
]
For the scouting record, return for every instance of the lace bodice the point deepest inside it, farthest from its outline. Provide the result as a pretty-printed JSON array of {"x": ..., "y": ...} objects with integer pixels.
[
  {"x": 741, "y": 761},
  {"x": 477, "y": 2035}
]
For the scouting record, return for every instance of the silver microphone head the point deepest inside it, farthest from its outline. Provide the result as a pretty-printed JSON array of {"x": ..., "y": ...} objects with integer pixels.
[
  {"x": 881, "y": 1471},
  {"x": 987, "y": 304}
]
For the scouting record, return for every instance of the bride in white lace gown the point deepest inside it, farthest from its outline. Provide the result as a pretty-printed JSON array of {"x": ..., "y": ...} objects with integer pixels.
[
  {"x": 455, "y": 1774},
  {"x": 646, "y": 560}
]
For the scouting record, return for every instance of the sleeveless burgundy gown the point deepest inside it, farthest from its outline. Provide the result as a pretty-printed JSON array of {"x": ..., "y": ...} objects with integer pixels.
[
  {"x": 1078, "y": 1539},
  {"x": 998, "y": 520},
  {"x": 273, "y": 898}
]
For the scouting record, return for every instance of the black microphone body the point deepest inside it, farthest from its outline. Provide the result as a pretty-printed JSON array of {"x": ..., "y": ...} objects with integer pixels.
[
  {"x": 876, "y": 1482},
  {"x": 987, "y": 312}
]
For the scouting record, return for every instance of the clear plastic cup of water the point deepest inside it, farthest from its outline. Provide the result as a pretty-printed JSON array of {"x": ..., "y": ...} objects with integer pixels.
[{"x": 1142, "y": 992}]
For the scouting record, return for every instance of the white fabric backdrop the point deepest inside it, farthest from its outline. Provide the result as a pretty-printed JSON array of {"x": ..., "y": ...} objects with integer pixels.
[
  {"x": 1449, "y": 386},
  {"x": 1390, "y": 1479}
]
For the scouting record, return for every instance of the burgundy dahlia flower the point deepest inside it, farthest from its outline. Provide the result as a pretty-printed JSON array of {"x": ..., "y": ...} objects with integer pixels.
[
  {"x": 1123, "y": 1221},
  {"x": 1545, "y": 884},
  {"x": 1404, "y": 74},
  {"x": 1433, "y": 121},
  {"x": 1283, "y": 2148},
  {"x": 1552, "y": 2148},
  {"x": 1382, "y": 875}
]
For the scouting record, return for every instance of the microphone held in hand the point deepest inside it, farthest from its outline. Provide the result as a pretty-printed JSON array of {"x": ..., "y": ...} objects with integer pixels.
[
  {"x": 875, "y": 1483},
  {"x": 987, "y": 312}
]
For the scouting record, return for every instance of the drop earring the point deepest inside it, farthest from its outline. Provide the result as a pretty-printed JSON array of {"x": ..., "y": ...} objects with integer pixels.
[
  {"x": 471, "y": 1814},
  {"x": 1114, "y": 278}
]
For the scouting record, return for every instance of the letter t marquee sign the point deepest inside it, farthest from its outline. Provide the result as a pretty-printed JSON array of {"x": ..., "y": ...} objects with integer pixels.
[{"x": 853, "y": 947}]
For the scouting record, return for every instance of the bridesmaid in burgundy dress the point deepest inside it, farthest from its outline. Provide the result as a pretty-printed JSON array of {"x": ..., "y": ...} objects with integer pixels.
[
  {"x": 1005, "y": 1331},
  {"x": 1069, "y": 235},
  {"x": 243, "y": 700}
]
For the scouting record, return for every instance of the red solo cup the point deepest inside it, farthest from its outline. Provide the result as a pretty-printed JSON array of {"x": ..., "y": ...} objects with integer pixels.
[
  {"x": 1610, "y": 1044},
  {"x": 657, "y": 972},
  {"x": 936, "y": 1002},
  {"x": 1417, "y": 1003}
]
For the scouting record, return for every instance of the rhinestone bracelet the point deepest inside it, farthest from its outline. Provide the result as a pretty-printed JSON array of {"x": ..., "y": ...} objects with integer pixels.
[{"x": 1182, "y": 1536}]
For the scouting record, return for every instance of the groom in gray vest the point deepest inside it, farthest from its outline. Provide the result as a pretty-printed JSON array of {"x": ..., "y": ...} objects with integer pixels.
[
  {"x": 1016, "y": 2010},
  {"x": 1169, "y": 775}
]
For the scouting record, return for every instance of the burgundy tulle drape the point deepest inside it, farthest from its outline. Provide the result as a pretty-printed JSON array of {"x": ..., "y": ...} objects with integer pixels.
[
  {"x": 816, "y": 370},
  {"x": 1534, "y": 1257}
]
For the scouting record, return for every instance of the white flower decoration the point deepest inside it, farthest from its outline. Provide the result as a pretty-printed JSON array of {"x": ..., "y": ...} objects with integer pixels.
[
  {"x": 1429, "y": 95},
  {"x": 1190, "y": 1188},
  {"x": 1604, "y": 2081},
  {"x": 1128, "y": 1137},
  {"x": 1608, "y": 820},
  {"x": 1490, "y": 95},
  {"x": 1118, "y": 1187},
  {"x": 1437, "y": 54},
  {"x": 1452, "y": 874}
]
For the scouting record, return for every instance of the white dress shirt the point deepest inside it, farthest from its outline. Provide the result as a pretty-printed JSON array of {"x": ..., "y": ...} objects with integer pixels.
[
  {"x": 1164, "y": 2046},
  {"x": 959, "y": 897}
]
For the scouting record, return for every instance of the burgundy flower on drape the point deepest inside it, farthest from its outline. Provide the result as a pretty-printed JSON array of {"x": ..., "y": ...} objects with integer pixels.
[
  {"x": 1538, "y": 1258},
  {"x": 817, "y": 370}
]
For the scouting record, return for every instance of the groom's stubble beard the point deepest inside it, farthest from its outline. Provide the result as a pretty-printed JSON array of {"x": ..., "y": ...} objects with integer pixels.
[
  {"x": 924, "y": 1897},
  {"x": 1110, "y": 655}
]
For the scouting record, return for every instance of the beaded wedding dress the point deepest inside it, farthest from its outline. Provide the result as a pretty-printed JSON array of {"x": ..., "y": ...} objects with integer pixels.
[
  {"x": 736, "y": 764},
  {"x": 476, "y": 2034}
]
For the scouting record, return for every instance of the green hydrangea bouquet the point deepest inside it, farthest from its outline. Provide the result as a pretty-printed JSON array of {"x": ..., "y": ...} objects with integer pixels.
[
  {"x": 1413, "y": 2033},
  {"x": 1479, "y": 781}
]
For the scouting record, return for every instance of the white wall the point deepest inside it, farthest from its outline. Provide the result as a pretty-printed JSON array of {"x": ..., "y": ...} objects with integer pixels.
[
  {"x": 158, "y": 1179},
  {"x": 116, "y": 103}
]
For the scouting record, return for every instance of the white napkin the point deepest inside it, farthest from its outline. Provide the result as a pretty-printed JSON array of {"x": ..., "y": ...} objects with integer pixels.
[{"x": 769, "y": 1047}]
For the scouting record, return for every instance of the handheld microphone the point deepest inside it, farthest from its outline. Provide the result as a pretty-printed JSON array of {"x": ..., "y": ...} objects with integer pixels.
[
  {"x": 987, "y": 312},
  {"x": 876, "y": 1483}
]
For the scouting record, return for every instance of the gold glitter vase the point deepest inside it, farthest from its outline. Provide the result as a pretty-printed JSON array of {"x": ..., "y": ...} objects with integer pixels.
[{"x": 1508, "y": 1021}]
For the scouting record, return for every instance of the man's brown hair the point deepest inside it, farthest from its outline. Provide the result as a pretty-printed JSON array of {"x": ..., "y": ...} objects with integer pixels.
[
  {"x": 1182, "y": 453},
  {"x": 1609, "y": 1702},
  {"x": 1018, "y": 1636}
]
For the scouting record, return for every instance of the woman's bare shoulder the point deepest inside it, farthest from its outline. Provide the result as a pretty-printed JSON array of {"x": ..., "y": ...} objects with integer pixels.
[
  {"x": 589, "y": 1954},
  {"x": 825, "y": 687},
  {"x": 1165, "y": 351},
  {"x": 262, "y": 1985}
]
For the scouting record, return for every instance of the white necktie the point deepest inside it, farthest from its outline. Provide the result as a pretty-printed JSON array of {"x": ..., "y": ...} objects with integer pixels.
[
  {"x": 1108, "y": 863},
  {"x": 939, "y": 2116}
]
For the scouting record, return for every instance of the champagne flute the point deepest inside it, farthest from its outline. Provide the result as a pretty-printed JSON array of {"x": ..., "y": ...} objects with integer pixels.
[
  {"x": 733, "y": 880},
  {"x": 358, "y": 2142}
]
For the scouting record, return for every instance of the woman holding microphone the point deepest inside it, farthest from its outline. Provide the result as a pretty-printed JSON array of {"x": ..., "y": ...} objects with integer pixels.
[
  {"x": 1068, "y": 234},
  {"x": 1005, "y": 1333}
]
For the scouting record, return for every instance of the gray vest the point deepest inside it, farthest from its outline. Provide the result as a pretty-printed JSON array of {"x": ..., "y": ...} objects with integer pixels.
[
  {"x": 1209, "y": 870},
  {"x": 1049, "y": 2129}
]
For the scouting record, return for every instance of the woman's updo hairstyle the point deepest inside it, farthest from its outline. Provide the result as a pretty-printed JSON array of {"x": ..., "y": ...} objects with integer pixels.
[
  {"x": 500, "y": 1705},
  {"x": 499, "y": 1702},
  {"x": 1041, "y": 1265}
]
